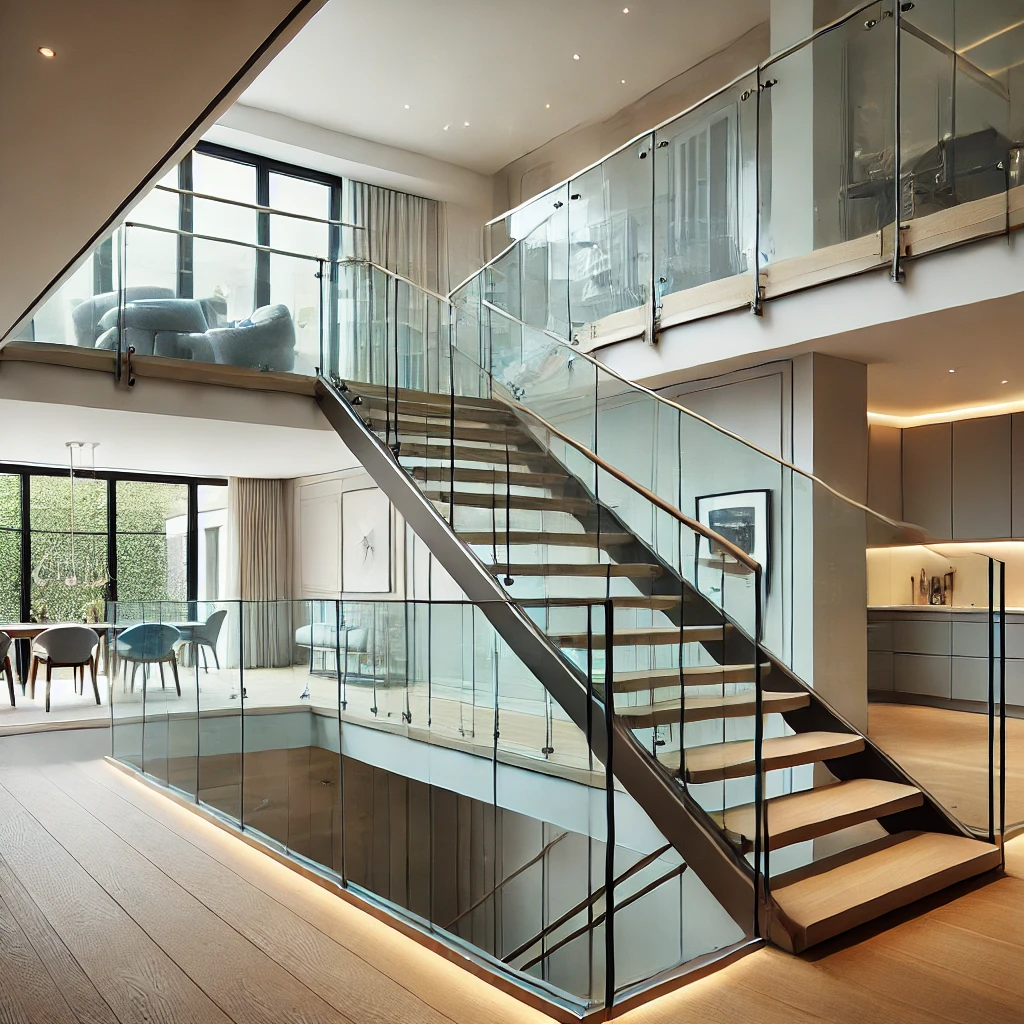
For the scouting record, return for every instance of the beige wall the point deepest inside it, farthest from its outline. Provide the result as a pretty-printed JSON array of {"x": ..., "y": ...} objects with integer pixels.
[
  {"x": 82, "y": 130},
  {"x": 563, "y": 156}
]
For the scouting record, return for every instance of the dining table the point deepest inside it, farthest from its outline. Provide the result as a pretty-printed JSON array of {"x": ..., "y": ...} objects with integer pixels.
[{"x": 25, "y": 632}]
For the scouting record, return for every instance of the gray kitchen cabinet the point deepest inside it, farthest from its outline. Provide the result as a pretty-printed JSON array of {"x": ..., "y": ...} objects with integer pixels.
[
  {"x": 1017, "y": 474},
  {"x": 928, "y": 478},
  {"x": 981, "y": 478},
  {"x": 885, "y": 470}
]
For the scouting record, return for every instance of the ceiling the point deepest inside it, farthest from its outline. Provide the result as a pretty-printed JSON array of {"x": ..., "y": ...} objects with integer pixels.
[
  {"x": 398, "y": 71},
  {"x": 130, "y": 439}
]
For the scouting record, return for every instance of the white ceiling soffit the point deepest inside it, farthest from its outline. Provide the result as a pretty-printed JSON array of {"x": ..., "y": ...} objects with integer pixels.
[
  {"x": 81, "y": 130},
  {"x": 159, "y": 443},
  {"x": 397, "y": 72}
]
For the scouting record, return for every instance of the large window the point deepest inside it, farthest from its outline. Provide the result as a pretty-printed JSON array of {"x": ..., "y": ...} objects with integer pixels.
[
  {"x": 10, "y": 547},
  {"x": 68, "y": 542},
  {"x": 152, "y": 541},
  {"x": 63, "y": 554}
]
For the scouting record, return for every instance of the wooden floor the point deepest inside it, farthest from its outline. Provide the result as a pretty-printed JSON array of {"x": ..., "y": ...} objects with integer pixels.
[
  {"x": 117, "y": 905},
  {"x": 947, "y": 753}
]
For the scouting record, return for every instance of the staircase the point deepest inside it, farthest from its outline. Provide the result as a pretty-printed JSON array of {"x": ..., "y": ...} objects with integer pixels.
[{"x": 850, "y": 835}]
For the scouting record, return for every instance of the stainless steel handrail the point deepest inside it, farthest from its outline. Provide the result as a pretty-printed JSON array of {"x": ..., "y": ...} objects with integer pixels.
[{"x": 255, "y": 206}]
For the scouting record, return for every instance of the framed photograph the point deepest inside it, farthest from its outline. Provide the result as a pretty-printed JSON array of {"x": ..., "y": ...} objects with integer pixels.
[{"x": 743, "y": 517}]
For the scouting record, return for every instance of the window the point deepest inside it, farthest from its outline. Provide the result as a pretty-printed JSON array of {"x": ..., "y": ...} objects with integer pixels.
[
  {"x": 151, "y": 541},
  {"x": 294, "y": 281},
  {"x": 212, "y": 518},
  {"x": 10, "y": 548},
  {"x": 68, "y": 538},
  {"x": 221, "y": 271}
]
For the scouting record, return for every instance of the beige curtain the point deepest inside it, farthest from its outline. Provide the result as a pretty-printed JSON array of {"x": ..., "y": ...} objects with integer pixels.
[
  {"x": 401, "y": 232},
  {"x": 258, "y": 514}
]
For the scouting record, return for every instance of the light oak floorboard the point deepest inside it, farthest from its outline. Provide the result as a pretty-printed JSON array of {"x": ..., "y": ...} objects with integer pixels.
[
  {"x": 214, "y": 955},
  {"x": 322, "y": 965},
  {"x": 137, "y": 979}
]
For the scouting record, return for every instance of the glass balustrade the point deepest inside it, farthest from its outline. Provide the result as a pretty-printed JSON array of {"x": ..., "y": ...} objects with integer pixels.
[{"x": 402, "y": 751}]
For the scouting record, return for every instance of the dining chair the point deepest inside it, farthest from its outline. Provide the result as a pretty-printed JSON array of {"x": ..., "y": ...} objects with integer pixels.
[
  {"x": 205, "y": 636},
  {"x": 71, "y": 647},
  {"x": 149, "y": 643},
  {"x": 5, "y": 663}
]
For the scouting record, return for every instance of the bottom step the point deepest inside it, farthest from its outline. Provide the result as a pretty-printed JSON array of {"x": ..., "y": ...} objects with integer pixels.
[{"x": 841, "y": 892}]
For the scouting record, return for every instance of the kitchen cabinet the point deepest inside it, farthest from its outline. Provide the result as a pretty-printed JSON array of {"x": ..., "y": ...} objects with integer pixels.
[
  {"x": 928, "y": 478},
  {"x": 981, "y": 478}
]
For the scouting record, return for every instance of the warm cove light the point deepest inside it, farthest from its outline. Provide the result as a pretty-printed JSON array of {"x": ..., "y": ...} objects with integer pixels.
[{"x": 970, "y": 412}]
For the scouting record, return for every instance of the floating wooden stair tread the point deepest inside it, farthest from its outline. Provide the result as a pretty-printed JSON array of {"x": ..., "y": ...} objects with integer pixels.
[
  {"x": 660, "y": 603},
  {"x": 380, "y": 394},
  {"x": 844, "y": 891},
  {"x": 631, "y": 570},
  {"x": 442, "y": 409},
  {"x": 693, "y": 675},
  {"x": 497, "y": 499},
  {"x": 734, "y": 760},
  {"x": 637, "y": 636},
  {"x": 441, "y": 452},
  {"x": 703, "y": 709},
  {"x": 412, "y": 426},
  {"x": 497, "y": 477},
  {"x": 557, "y": 540},
  {"x": 798, "y": 817}
]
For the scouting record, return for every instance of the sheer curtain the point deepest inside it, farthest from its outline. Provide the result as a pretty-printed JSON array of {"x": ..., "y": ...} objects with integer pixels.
[
  {"x": 258, "y": 549},
  {"x": 400, "y": 232}
]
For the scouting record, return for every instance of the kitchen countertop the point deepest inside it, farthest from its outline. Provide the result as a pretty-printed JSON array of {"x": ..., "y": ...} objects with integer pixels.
[{"x": 935, "y": 608}]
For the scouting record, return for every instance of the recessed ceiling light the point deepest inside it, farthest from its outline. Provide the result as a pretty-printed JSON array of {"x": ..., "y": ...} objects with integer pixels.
[
  {"x": 625, "y": 10},
  {"x": 623, "y": 81},
  {"x": 46, "y": 51},
  {"x": 407, "y": 106},
  {"x": 547, "y": 106},
  {"x": 465, "y": 124},
  {"x": 1004, "y": 382},
  {"x": 952, "y": 371},
  {"x": 575, "y": 56},
  {"x": 447, "y": 126}
]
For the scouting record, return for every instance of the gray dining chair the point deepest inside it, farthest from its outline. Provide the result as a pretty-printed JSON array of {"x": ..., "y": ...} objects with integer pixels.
[
  {"x": 149, "y": 643},
  {"x": 5, "y": 663},
  {"x": 71, "y": 647},
  {"x": 206, "y": 635}
]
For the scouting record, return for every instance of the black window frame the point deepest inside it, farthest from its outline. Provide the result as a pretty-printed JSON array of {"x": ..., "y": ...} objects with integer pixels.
[{"x": 25, "y": 471}]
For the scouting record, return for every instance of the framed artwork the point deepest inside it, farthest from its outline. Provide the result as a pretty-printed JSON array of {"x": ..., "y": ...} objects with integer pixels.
[
  {"x": 743, "y": 517},
  {"x": 365, "y": 542}
]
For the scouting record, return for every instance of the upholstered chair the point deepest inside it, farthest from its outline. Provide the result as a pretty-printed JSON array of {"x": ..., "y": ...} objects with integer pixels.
[
  {"x": 71, "y": 647},
  {"x": 5, "y": 663},
  {"x": 149, "y": 643}
]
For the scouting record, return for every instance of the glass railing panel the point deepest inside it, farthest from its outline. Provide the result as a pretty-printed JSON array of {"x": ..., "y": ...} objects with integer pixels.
[
  {"x": 957, "y": 136},
  {"x": 826, "y": 135},
  {"x": 705, "y": 205},
  {"x": 210, "y": 650},
  {"x": 610, "y": 262}
]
